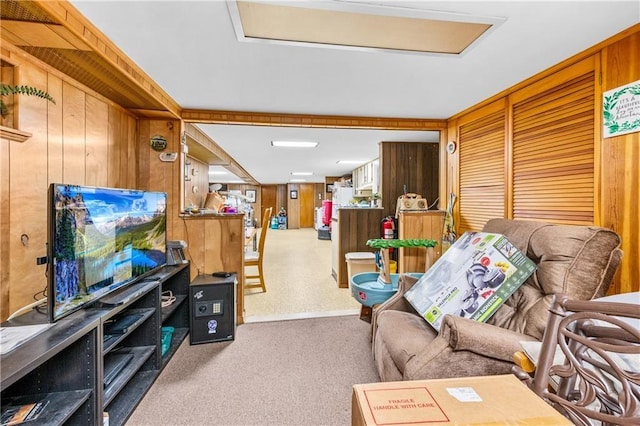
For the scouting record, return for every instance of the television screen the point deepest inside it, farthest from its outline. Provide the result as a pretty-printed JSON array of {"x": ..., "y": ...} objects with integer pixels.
[{"x": 100, "y": 240}]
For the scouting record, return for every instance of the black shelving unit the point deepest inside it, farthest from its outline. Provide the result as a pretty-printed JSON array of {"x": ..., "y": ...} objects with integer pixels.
[
  {"x": 58, "y": 366},
  {"x": 141, "y": 338},
  {"x": 59, "y": 407},
  {"x": 176, "y": 315},
  {"x": 64, "y": 365}
]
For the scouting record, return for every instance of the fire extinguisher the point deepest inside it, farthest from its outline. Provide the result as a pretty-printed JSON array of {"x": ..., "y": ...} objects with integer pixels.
[{"x": 389, "y": 229}]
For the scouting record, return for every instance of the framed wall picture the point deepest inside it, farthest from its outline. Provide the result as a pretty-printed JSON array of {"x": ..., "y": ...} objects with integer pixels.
[
  {"x": 251, "y": 195},
  {"x": 293, "y": 195},
  {"x": 329, "y": 189}
]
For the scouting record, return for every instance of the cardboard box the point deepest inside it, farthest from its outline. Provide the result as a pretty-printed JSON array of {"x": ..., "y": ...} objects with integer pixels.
[
  {"x": 495, "y": 400},
  {"x": 471, "y": 279}
]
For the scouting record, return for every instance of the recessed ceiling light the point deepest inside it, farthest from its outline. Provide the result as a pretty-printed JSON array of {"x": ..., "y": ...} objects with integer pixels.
[
  {"x": 301, "y": 174},
  {"x": 294, "y": 144},
  {"x": 297, "y": 180},
  {"x": 351, "y": 161}
]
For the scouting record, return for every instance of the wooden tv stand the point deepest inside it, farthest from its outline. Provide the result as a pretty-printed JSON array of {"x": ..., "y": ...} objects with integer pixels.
[{"x": 64, "y": 364}]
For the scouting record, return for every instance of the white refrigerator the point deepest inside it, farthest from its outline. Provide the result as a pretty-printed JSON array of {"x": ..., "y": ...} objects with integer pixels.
[{"x": 342, "y": 196}]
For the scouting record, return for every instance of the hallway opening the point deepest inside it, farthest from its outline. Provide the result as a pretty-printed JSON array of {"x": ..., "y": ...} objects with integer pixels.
[{"x": 297, "y": 269}]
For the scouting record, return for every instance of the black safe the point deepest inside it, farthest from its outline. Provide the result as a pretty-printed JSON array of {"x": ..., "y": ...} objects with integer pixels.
[{"x": 212, "y": 310}]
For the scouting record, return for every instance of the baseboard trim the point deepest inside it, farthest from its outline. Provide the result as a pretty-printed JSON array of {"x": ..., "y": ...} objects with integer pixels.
[{"x": 301, "y": 315}]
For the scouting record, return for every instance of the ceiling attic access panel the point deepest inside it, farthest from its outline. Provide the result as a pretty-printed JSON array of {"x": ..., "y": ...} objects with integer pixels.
[{"x": 359, "y": 26}]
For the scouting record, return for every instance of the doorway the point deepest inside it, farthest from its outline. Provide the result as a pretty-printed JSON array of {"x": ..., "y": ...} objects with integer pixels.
[
  {"x": 307, "y": 202},
  {"x": 269, "y": 197}
]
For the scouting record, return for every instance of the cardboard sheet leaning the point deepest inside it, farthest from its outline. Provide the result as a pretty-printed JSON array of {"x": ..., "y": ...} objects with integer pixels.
[{"x": 472, "y": 279}]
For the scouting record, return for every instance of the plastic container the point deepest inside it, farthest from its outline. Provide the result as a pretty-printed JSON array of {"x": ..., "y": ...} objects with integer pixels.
[
  {"x": 393, "y": 266},
  {"x": 327, "y": 210},
  {"x": 366, "y": 289},
  {"x": 167, "y": 335},
  {"x": 358, "y": 262}
]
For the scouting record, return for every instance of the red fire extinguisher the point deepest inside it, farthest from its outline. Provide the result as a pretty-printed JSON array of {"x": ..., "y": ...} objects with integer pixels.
[{"x": 389, "y": 229}]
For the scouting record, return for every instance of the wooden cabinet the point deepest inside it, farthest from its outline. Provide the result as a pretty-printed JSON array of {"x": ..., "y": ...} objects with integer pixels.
[
  {"x": 350, "y": 233},
  {"x": 419, "y": 224},
  {"x": 216, "y": 243},
  {"x": 86, "y": 364},
  {"x": 365, "y": 179}
]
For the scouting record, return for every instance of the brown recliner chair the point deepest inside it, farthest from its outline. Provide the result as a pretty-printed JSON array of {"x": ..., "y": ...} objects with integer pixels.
[{"x": 579, "y": 261}]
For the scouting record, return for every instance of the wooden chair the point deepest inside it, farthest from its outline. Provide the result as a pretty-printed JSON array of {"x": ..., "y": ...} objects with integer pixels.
[
  {"x": 254, "y": 258},
  {"x": 589, "y": 363}
]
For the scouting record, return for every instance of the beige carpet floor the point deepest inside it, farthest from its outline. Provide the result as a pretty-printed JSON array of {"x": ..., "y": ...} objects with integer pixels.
[
  {"x": 295, "y": 372},
  {"x": 297, "y": 268},
  {"x": 280, "y": 373}
]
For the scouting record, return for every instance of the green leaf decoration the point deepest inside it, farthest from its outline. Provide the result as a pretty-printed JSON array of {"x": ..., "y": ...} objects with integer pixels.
[
  {"x": 382, "y": 243},
  {"x": 6, "y": 89}
]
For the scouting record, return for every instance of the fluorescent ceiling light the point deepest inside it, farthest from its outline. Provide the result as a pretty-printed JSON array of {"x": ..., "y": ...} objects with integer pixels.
[
  {"x": 298, "y": 180},
  {"x": 351, "y": 161},
  {"x": 301, "y": 173},
  {"x": 217, "y": 172},
  {"x": 294, "y": 144}
]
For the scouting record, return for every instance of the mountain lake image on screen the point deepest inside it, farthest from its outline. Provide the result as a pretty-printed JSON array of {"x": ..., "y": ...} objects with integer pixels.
[{"x": 100, "y": 240}]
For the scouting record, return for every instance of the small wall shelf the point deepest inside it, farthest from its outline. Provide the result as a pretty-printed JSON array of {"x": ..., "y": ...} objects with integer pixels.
[{"x": 13, "y": 134}]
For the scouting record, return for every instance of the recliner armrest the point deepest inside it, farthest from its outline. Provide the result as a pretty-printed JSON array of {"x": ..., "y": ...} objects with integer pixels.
[
  {"x": 464, "y": 334},
  {"x": 397, "y": 302}
]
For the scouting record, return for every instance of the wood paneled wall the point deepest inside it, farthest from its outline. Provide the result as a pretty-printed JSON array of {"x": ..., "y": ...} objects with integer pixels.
[
  {"x": 293, "y": 206},
  {"x": 82, "y": 139},
  {"x": 196, "y": 182},
  {"x": 156, "y": 175},
  {"x": 411, "y": 164},
  {"x": 552, "y": 163},
  {"x": 619, "y": 164},
  {"x": 357, "y": 226},
  {"x": 319, "y": 195},
  {"x": 216, "y": 243}
]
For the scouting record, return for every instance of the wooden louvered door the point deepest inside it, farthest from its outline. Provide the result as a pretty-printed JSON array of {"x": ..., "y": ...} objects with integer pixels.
[
  {"x": 482, "y": 171},
  {"x": 553, "y": 154}
]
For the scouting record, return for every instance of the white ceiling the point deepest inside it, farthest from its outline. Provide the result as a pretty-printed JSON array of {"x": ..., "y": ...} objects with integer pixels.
[{"x": 190, "y": 49}]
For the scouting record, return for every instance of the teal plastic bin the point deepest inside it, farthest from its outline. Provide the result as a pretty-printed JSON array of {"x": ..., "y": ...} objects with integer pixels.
[
  {"x": 167, "y": 335},
  {"x": 366, "y": 289}
]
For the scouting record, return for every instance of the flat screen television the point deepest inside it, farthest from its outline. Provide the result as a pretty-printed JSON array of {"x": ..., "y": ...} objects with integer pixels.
[{"x": 100, "y": 240}]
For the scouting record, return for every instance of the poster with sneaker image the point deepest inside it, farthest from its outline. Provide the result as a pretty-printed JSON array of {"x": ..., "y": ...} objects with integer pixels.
[{"x": 472, "y": 279}]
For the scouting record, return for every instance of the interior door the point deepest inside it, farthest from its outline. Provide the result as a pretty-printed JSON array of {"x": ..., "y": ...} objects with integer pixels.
[
  {"x": 307, "y": 205},
  {"x": 268, "y": 197}
]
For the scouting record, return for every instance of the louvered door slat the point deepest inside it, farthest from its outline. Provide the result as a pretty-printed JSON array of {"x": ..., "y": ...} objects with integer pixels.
[
  {"x": 553, "y": 154},
  {"x": 481, "y": 171}
]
